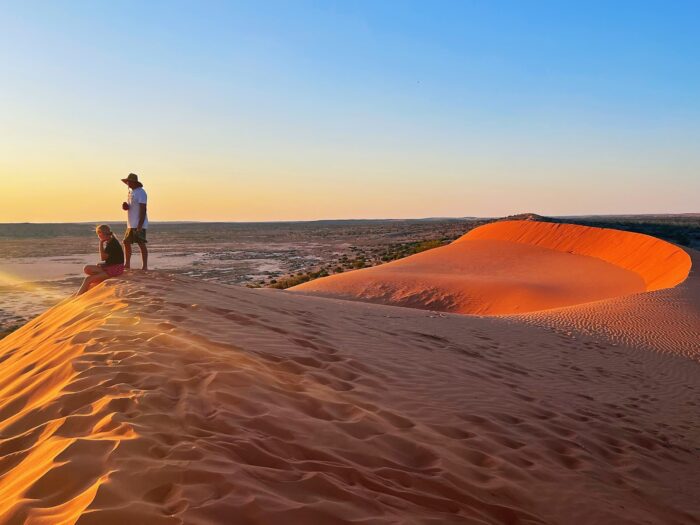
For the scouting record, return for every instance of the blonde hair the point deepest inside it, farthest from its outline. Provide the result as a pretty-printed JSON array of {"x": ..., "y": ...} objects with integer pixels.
[{"x": 103, "y": 228}]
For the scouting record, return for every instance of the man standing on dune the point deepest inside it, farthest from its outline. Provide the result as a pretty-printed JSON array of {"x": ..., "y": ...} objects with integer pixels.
[{"x": 136, "y": 220}]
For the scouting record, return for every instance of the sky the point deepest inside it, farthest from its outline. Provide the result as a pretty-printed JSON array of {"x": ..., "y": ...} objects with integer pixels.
[{"x": 294, "y": 110}]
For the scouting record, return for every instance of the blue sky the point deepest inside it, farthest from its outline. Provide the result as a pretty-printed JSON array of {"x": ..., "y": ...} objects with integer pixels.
[{"x": 303, "y": 110}]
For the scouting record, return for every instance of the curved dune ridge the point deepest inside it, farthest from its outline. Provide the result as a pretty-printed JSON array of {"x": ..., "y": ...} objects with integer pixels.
[
  {"x": 515, "y": 267},
  {"x": 659, "y": 263},
  {"x": 155, "y": 399}
]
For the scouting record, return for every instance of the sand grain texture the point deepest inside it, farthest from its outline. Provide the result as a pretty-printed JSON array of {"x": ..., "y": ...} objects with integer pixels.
[{"x": 164, "y": 400}]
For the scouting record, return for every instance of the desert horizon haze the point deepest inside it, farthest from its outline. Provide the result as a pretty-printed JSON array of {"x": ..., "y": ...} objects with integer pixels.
[{"x": 329, "y": 110}]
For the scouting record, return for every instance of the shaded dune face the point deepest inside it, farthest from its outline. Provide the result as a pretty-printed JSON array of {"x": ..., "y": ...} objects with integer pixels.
[{"x": 515, "y": 267}]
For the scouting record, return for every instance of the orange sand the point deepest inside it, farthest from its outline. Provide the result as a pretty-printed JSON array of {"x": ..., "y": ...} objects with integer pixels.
[
  {"x": 163, "y": 400},
  {"x": 516, "y": 266},
  {"x": 659, "y": 263}
]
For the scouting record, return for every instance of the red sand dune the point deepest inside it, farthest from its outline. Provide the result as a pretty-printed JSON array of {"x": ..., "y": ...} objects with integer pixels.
[
  {"x": 514, "y": 267},
  {"x": 161, "y": 400},
  {"x": 659, "y": 263}
]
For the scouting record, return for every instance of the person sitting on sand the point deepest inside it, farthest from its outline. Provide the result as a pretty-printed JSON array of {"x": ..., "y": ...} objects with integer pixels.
[
  {"x": 112, "y": 257},
  {"x": 136, "y": 219}
]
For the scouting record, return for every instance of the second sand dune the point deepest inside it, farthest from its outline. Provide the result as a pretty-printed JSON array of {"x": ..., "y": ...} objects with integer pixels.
[{"x": 515, "y": 267}]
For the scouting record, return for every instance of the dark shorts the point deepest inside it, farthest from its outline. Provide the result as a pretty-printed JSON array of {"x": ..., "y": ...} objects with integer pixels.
[{"x": 133, "y": 236}]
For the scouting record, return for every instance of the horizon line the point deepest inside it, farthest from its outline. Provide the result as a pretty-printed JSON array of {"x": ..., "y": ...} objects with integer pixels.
[{"x": 435, "y": 218}]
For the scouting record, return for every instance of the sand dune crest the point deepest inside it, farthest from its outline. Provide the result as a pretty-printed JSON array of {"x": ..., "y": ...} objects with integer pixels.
[
  {"x": 659, "y": 263},
  {"x": 515, "y": 267}
]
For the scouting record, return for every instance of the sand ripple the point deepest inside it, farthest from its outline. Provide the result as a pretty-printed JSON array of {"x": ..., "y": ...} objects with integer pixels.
[{"x": 167, "y": 400}]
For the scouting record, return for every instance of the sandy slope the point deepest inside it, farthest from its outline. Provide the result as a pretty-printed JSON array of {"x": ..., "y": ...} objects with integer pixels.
[
  {"x": 666, "y": 320},
  {"x": 516, "y": 266},
  {"x": 166, "y": 401}
]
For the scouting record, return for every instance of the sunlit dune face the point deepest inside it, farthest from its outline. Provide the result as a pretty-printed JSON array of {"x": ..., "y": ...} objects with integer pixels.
[
  {"x": 514, "y": 267},
  {"x": 38, "y": 380},
  {"x": 659, "y": 263}
]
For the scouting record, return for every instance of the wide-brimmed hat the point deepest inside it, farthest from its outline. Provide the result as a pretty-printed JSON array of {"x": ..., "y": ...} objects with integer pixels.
[{"x": 132, "y": 178}]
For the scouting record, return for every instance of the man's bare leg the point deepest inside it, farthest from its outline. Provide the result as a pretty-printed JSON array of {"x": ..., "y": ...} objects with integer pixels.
[
  {"x": 144, "y": 255},
  {"x": 127, "y": 255}
]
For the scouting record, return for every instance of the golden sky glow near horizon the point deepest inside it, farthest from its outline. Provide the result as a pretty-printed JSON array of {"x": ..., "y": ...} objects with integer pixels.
[
  {"x": 367, "y": 110},
  {"x": 72, "y": 185},
  {"x": 301, "y": 189}
]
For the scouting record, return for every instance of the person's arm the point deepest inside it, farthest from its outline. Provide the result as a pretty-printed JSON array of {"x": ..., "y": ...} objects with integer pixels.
[
  {"x": 103, "y": 252},
  {"x": 142, "y": 216}
]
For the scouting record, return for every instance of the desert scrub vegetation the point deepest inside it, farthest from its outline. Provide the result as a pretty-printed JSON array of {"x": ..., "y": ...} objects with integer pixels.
[
  {"x": 298, "y": 278},
  {"x": 399, "y": 251},
  {"x": 683, "y": 230},
  {"x": 356, "y": 259}
]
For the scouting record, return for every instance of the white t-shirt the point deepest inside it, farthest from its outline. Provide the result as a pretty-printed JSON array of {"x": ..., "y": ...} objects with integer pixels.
[{"x": 136, "y": 196}]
